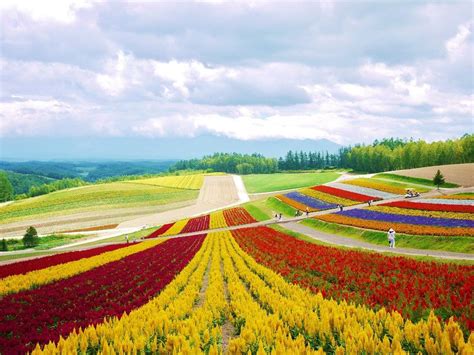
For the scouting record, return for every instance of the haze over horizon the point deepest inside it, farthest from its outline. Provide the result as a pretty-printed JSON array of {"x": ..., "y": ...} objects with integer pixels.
[{"x": 151, "y": 79}]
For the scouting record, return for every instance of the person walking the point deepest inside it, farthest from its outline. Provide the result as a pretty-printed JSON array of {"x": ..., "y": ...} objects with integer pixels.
[
  {"x": 341, "y": 208},
  {"x": 126, "y": 238},
  {"x": 279, "y": 217},
  {"x": 369, "y": 202},
  {"x": 391, "y": 238},
  {"x": 307, "y": 211}
]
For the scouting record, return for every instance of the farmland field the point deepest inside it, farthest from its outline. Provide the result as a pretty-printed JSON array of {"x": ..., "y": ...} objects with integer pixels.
[
  {"x": 461, "y": 174},
  {"x": 192, "y": 182},
  {"x": 256, "y": 183},
  {"x": 229, "y": 299},
  {"x": 95, "y": 197}
]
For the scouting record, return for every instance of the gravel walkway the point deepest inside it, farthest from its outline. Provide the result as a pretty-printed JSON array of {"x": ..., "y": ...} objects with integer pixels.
[{"x": 354, "y": 243}]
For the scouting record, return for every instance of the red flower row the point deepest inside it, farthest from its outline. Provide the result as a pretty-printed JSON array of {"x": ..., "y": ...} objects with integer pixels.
[
  {"x": 160, "y": 230},
  {"x": 54, "y": 310},
  {"x": 237, "y": 216},
  {"x": 412, "y": 287},
  {"x": 197, "y": 224},
  {"x": 344, "y": 194},
  {"x": 23, "y": 267},
  {"x": 431, "y": 206}
]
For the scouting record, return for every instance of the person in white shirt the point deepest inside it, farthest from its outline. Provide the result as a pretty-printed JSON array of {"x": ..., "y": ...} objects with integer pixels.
[{"x": 391, "y": 238}]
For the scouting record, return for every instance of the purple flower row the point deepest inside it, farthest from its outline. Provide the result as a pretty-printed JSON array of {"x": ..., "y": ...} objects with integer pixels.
[
  {"x": 310, "y": 201},
  {"x": 399, "y": 218}
]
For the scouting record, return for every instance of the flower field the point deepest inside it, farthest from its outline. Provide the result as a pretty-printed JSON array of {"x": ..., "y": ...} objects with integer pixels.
[
  {"x": 24, "y": 267},
  {"x": 423, "y": 206},
  {"x": 396, "y": 283},
  {"x": 223, "y": 287},
  {"x": 325, "y": 197},
  {"x": 411, "y": 217},
  {"x": 219, "y": 219},
  {"x": 38, "y": 277},
  {"x": 237, "y": 216},
  {"x": 390, "y": 187},
  {"x": 301, "y": 202},
  {"x": 369, "y": 191},
  {"x": 196, "y": 224},
  {"x": 191, "y": 182},
  {"x": 44, "y": 314},
  {"x": 353, "y": 196}
]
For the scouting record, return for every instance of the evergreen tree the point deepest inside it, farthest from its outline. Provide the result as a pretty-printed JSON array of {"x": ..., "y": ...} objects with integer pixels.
[
  {"x": 438, "y": 179},
  {"x": 6, "y": 188},
  {"x": 3, "y": 245},
  {"x": 30, "y": 239}
]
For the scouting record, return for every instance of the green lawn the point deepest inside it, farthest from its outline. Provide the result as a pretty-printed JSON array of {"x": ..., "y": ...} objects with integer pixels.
[
  {"x": 283, "y": 181},
  {"x": 453, "y": 244},
  {"x": 44, "y": 243},
  {"x": 262, "y": 210},
  {"x": 94, "y": 197},
  {"x": 121, "y": 238},
  {"x": 412, "y": 180}
]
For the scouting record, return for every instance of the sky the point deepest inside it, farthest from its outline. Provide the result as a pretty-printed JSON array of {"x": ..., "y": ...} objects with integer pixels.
[{"x": 346, "y": 71}]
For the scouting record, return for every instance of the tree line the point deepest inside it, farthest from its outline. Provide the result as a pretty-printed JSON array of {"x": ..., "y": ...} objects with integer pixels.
[
  {"x": 230, "y": 163},
  {"x": 384, "y": 155},
  {"x": 7, "y": 189}
]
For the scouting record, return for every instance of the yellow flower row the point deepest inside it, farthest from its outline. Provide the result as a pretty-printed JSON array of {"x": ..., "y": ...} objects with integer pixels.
[
  {"x": 176, "y": 228},
  {"x": 329, "y": 198},
  {"x": 16, "y": 283},
  {"x": 267, "y": 314},
  {"x": 217, "y": 220},
  {"x": 414, "y": 212}
]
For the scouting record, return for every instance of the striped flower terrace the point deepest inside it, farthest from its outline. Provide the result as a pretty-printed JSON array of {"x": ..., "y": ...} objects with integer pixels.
[
  {"x": 367, "y": 214},
  {"x": 363, "y": 190},
  {"x": 301, "y": 202}
]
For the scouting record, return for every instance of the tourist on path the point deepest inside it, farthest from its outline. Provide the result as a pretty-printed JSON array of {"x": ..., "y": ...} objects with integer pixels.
[{"x": 391, "y": 238}]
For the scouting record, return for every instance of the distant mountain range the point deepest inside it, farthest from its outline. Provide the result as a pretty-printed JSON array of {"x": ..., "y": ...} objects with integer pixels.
[{"x": 139, "y": 148}]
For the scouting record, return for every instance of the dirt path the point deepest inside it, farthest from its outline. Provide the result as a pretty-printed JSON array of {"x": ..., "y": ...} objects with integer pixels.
[
  {"x": 216, "y": 193},
  {"x": 354, "y": 243}
]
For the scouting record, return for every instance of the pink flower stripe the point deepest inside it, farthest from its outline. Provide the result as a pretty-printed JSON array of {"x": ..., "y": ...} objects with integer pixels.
[
  {"x": 26, "y": 266},
  {"x": 431, "y": 206},
  {"x": 344, "y": 193},
  {"x": 48, "y": 312},
  {"x": 197, "y": 224}
]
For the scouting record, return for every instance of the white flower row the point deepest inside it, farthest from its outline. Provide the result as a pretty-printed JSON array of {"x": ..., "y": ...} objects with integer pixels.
[
  {"x": 363, "y": 190},
  {"x": 448, "y": 201}
]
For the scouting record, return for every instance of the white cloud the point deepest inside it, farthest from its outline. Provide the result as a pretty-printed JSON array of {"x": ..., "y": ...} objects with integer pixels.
[
  {"x": 457, "y": 45},
  {"x": 31, "y": 117},
  {"x": 63, "y": 11}
]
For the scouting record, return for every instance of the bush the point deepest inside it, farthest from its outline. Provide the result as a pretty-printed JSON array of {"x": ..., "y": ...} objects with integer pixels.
[{"x": 31, "y": 239}]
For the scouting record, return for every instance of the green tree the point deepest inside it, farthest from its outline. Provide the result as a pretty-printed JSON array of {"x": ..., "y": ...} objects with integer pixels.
[
  {"x": 438, "y": 179},
  {"x": 3, "y": 245},
  {"x": 6, "y": 188},
  {"x": 30, "y": 239}
]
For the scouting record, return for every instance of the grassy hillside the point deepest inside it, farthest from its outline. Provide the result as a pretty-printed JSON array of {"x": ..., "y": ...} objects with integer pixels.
[
  {"x": 412, "y": 180},
  {"x": 94, "y": 197},
  {"x": 23, "y": 182},
  {"x": 283, "y": 181}
]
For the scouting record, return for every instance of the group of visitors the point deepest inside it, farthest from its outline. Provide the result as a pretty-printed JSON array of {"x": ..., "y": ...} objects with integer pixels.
[{"x": 411, "y": 193}]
